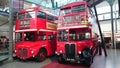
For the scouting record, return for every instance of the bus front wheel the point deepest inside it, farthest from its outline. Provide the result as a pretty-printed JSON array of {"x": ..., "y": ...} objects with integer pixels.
[
  {"x": 41, "y": 55},
  {"x": 60, "y": 59}
]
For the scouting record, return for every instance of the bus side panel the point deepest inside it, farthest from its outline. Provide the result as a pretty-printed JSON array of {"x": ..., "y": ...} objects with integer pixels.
[
  {"x": 33, "y": 23},
  {"x": 41, "y": 23},
  {"x": 51, "y": 43},
  {"x": 17, "y": 27}
]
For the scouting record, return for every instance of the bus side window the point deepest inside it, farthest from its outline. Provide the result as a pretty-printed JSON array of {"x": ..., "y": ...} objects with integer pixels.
[
  {"x": 18, "y": 37},
  {"x": 30, "y": 14},
  {"x": 21, "y": 16},
  {"x": 44, "y": 37},
  {"x": 51, "y": 37},
  {"x": 41, "y": 15},
  {"x": 50, "y": 18}
]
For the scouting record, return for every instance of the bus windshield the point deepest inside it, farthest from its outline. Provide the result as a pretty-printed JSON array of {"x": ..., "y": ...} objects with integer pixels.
[
  {"x": 28, "y": 36},
  {"x": 30, "y": 14},
  {"x": 73, "y": 35},
  {"x": 79, "y": 35},
  {"x": 65, "y": 11},
  {"x": 21, "y": 16},
  {"x": 62, "y": 35}
]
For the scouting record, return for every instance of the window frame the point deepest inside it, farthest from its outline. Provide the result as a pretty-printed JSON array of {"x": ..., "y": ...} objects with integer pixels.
[
  {"x": 78, "y": 6},
  {"x": 43, "y": 13}
]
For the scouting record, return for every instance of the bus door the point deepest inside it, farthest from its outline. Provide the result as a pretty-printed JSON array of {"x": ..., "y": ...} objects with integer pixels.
[
  {"x": 52, "y": 42},
  {"x": 42, "y": 38}
]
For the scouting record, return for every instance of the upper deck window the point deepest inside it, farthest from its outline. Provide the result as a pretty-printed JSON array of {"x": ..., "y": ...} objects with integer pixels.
[
  {"x": 21, "y": 16},
  {"x": 65, "y": 11},
  {"x": 79, "y": 8},
  {"x": 68, "y": 19},
  {"x": 30, "y": 14},
  {"x": 41, "y": 15},
  {"x": 51, "y": 18}
]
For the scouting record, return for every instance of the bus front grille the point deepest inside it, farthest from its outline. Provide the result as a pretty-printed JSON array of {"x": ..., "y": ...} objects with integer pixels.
[
  {"x": 23, "y": 53},
  {"x": 70, "y": 51}
]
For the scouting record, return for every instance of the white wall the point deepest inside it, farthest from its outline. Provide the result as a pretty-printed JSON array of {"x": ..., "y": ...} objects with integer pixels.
[{"x": 106, "y": 25}]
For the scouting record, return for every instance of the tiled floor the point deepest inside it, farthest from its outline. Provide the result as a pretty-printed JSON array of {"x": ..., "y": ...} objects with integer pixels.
[{"x": 111, "y": 61}]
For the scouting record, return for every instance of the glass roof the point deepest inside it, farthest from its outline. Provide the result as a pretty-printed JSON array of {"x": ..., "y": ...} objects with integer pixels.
[
  {"x": 39, "y": 2},
  {"x": 51, "y": 3}
]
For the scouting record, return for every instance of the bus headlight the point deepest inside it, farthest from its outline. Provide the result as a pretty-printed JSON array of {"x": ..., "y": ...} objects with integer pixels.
[
  {"x": 60, "y": 51},
  {"x": 15, "y": 51},
  {"x": 56, "y": 52},
  {"x": 79, "y": 52},
  {"x": 32, "y": 51}
]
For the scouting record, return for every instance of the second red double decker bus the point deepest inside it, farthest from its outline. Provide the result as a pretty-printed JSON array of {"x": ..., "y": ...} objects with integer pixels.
[
  {"x": 76, "y": 34},
  {"x": 35, "y": 34}
]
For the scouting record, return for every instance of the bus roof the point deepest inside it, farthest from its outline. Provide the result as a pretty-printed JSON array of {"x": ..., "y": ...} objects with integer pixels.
[
  {"x": 29, "y": 9},
  {"x": 37, "y": 8},
  {"x": 49, "y": 13},
  {"x": 73, "y": 4}
]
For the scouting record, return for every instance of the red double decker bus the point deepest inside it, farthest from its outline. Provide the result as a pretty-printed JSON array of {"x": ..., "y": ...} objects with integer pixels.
[
  {"x": 77, "y": 36},
  {"x": 35, "y": 34}
]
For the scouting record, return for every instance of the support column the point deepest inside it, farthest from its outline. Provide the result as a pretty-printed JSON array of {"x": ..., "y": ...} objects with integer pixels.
[
  {"x": 102, "y": 44},
  {"x": 11, "y": 30},
  {"x": 53, "y": 5},
  {"x": 119, "y": 6},
  {"x": 111, "y": 2},
  {"x": 116, "y": 29},
  {"x": 112, "y": 25}
]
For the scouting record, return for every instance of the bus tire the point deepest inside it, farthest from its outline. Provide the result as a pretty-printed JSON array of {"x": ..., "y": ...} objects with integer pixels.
[
  {"x": 88, "y": 60},
  {"x": 42, "y": 55},
  {"x": 60, "y": 59}
]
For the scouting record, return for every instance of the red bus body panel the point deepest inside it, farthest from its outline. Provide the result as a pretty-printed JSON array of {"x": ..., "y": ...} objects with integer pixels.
[
  {"x": 38, "y": 26},
  {"x": 67, "y": 48}
]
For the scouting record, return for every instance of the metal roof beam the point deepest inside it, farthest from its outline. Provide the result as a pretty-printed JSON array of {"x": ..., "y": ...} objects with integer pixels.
[
  {"x": 91, "y": 3},
  {"x": 53, "y": 5}
]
